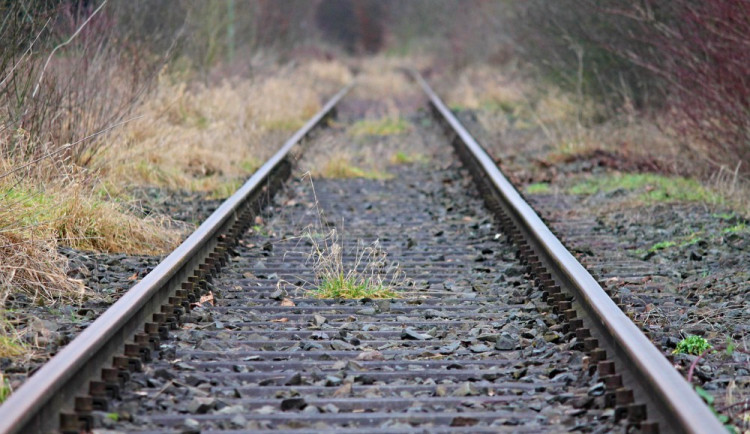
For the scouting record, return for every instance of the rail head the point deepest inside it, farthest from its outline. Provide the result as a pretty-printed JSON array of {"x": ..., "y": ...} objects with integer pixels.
[
  {"x": 685, "y": 411},
  {"x": 38, "y": 400}
]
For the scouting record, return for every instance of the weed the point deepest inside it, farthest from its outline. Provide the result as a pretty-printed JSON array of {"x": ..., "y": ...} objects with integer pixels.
[
  {"x": 661, "y": 246},
  {"x": 724, "y": 215},
  {"x": 5, "y": 389},
  {"x": 402, "y": 157},
  {"x": 692, "y": 344},
  {"x": 260, "y": 230},
  {"x": 709, "y": 400},
  {"x": 649, "y": 187},
  {"x": 368, "y": 276},
  {"x": 739, "y": 227},
  {"x": 10, "y": 347},
  {"x": 538, "y": 188},
  {"x": 349, "y": 287},
  {"x": 379, "y": 127},
  {"x": 693, "y": 239},
  {"x": 10, "y": 343}
]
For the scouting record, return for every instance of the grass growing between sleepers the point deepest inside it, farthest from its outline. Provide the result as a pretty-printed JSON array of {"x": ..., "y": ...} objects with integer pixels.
[
  {"x": 692, "y": 344},
  {"x": 350, "y": 287}
]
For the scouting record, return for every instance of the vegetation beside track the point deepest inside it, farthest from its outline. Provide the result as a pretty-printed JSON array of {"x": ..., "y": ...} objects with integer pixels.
[{"x": 89, "y": 123}]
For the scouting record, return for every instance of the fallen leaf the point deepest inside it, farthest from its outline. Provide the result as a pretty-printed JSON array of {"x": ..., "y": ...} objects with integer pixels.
[
  {"x": 280, "y": 320},
  {"x": 133, "y": 277},
  {"x": 208, "y": 298},
  {"x": 287, "y": 302}
]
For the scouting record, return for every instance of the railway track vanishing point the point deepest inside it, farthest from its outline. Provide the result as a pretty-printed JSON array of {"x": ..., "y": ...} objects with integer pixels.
[{"x": 465, "y": 348}]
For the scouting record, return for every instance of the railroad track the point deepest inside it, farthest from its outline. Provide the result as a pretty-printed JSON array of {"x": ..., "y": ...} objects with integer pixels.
[{"x": 497, "y": 326}]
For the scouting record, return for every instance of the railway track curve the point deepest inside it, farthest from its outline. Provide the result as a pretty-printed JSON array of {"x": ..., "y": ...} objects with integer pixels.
[{"x": 492, "y": 333}]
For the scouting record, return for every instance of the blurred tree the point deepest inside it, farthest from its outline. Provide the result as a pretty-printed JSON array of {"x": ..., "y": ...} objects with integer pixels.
[{"x": 336, "y": 20}]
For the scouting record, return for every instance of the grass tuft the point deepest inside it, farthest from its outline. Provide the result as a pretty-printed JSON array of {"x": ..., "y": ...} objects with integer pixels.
[
  {"x": 692, "y": 344},
  {"x": 401, "y": 157},
  {"x": 351, "y": 288},
  {"x": 661, "y": 246},
  {"x": 5, "y": 388},
  {"x": 538, "y": 188},
  {"x": 10, "y": 347},
  {"x": 369, "y": 275}
]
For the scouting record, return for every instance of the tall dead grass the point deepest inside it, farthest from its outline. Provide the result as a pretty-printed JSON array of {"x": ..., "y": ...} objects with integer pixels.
[
  {"x": 549, "y": 123},
  {"x": 202, "y": 138}
]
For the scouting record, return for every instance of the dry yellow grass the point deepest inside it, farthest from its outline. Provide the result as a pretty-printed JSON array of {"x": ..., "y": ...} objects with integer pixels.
[
  {"x": 206, "y": 138},
  {"x": 383, "y": 135},
  {"x": 197, "y": 138},
  {"x": 33, "y": 267},
  {"x": 40, "y": 210}
]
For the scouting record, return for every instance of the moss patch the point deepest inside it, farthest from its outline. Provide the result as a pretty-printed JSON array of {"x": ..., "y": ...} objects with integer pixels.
[
  {"x": 647, "y": 187},
  {"x": 537, "y": 188}
]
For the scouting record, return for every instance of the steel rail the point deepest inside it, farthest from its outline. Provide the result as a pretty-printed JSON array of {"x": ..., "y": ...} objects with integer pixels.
[
  {"x": 35, "y": 406},
  {"x": 648, "y": 372}
]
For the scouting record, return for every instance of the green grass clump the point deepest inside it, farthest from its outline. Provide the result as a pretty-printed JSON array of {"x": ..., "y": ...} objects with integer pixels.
[
  {"x": 692, "y": 344},
  {"x": 648, "y": 187},
  {"x": 349, "y": 287},
  {"x": 739, "y": 227},
  {"x": 5, "y": 389},
  {"x": 538, "y": 188},
  {"x": 379, "y": 127},
  {"x": 402, "y": 157},
  {"x": 10, "y": 346}
]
